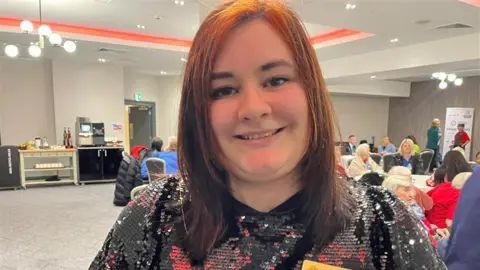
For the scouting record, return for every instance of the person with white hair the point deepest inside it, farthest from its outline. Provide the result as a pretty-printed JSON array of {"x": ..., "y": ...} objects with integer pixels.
[
  {"x": 403, "y": 187},
  {"x": 423, "y": 200},
  {"x": 406, "y": 157},
  {"x": 362, "y": 162}
]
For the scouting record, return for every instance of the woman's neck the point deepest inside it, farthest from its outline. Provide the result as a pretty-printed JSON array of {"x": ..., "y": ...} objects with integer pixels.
[
  {"x": 407, "y": 156},
  {"x": 264, "y": 196}
]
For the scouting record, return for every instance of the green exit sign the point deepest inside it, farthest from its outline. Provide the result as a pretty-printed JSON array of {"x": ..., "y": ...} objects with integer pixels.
[{"x": 138, "y": 97}]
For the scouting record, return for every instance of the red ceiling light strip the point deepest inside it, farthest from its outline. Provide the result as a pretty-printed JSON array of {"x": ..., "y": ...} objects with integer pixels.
[
  {"x": 471, "y": 2},
  {"x": 341, "y": 33},
  {"x": 115, "y": 34},
  {"x": 90, "y": 31}
]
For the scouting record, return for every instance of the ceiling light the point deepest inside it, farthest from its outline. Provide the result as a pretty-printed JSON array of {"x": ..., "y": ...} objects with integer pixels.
[
  {"x": 55, "y": 39},
  {"x": 44, "y": 30},
  {"x": 139, "y": 26},
  {"x": 11, "y": 50},
  {"x": 458, "y": 81},
  {"x": 393, "y": 40},
  {"x": 163, "y": 72},
  {"x": 177, "y": 2},
  {"x": 443, "y": 85},
  {"x": 69, "y": 46},
  {"x": 182, "y": 3},
  {"x": 439, "y": 75},
  {"x": 26, "y": 26},
  {"x": 451, "y": 77},
  {"x": 184, "y": 60},
  {"x": 350, "y": 6},
  {"x": 34, "y": 51},
  {"x": 102, "y": 60},
  {"x": 373, "y": 77}
]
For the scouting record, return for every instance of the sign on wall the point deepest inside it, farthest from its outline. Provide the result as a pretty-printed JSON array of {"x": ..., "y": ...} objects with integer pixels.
[{"x": 454, "y": 117}]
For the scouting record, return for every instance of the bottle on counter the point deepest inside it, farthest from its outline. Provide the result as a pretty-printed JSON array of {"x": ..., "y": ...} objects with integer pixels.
[
  {"x": 69, "y": 139},
  {"x": 38, "y": 143},
  {"x": 65, "y": 137},
  {"x": 45, "y": 143}
]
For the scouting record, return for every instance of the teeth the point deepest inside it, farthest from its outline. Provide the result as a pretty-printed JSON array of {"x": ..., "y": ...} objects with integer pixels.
[{"x": 258, "y": 136}]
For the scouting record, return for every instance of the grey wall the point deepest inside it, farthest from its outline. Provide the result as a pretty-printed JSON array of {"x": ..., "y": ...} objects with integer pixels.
[
  {"x": 26, "y": 100},
  {"x": 413, "y": 115},
  {"x": 362, "y": 116},
  {"x": 90, "y": 90}
]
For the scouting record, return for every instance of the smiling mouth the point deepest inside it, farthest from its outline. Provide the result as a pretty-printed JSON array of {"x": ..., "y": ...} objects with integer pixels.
[{"x": 258, "y": 136}]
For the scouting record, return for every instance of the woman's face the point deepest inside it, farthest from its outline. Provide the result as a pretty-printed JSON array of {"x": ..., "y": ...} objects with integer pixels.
[
  {"x": 259, "y": 110},
  {"x": 477, "y": 160},
  {"x": 406, "y": 149},
  {"x": 365, "y": 156},
  {"x": 386, "y": 141},
  {"x": 406, "y": 194}
]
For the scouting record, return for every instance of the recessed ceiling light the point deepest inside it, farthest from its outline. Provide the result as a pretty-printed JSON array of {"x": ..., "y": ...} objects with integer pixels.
[
  {"x": 102, "y": 60},
  {"x": 139, "y": 26},
  {"x": 179, "y": 2},
  {"x": 183, "y": 59},
  {"x": 373, "y": 77},
  {"x": 393, "y": 40},
  {"x": 163, "y": 72},
  {"x": 350, "y": 6}
]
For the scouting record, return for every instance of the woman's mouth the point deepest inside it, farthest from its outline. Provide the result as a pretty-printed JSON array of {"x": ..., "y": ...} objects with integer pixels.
[{"x": 259, "y": 135}]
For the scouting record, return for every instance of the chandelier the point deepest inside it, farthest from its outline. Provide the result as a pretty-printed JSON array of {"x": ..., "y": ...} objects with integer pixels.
[
  {"x": 44, "y": 33},
  {"x": 445, "y": 78}
]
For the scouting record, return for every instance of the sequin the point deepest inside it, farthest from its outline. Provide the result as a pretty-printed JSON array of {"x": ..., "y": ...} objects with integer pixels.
[{"x": 384, "y": 234}]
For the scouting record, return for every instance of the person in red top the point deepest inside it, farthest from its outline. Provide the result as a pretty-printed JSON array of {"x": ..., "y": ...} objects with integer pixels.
[
  {"x": 461, "y": 138},
  {"x": 444, "y": 195}
]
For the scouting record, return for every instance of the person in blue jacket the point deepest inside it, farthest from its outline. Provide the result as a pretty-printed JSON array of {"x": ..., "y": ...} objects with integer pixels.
[
  {"x": 169, "y": 156},
  {"x": 463, "y": 251}
]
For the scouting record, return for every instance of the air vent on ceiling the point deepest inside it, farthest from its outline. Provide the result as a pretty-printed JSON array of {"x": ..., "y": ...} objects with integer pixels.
[
  {"x": 454, "y": 26},
  {"x": 112, "y": 51}
]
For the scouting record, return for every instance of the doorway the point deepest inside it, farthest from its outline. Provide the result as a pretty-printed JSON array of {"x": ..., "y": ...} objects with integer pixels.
[{"x": 141, "y": 128}]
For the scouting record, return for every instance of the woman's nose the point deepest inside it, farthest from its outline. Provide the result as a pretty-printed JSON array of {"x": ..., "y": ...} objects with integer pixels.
[{"x": 253, "y": 104}]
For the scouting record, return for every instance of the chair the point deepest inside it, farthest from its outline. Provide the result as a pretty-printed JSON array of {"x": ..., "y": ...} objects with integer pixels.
[
  {"x": 387, "y": 161},
  {"x": 427, "y": 156},
  {"x": 154, "y": 166},
  {"x": 376, "y": 157}
]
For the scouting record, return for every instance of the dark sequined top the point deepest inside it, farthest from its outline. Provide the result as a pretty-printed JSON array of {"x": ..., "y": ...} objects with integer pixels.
[{"x": 384, "y": 234}]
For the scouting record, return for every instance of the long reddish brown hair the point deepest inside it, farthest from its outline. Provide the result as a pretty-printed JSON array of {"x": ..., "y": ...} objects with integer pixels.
[{"x": 325, "y": 196}]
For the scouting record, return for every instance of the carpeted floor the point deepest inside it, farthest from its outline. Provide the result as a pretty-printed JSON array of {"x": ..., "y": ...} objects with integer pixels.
[{"x": 54, "y": 228}]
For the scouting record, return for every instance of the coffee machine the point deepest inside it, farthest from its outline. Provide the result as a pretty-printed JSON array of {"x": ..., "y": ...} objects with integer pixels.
[{"x": 88, "y": 133}]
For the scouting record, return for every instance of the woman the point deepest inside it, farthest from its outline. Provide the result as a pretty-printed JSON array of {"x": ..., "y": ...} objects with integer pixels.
[
  {"x": 477, "y": 159},
  {"x": 363, "y": 163},
  {"x": 444, "y": 195},
  {"x": 433, "y": 142},
  {"x": 406, "y": 157},
  {"x": 338, "y": 165},
  {"x": 416, "y": 148},
  {"x": 256, "y": 154},
  {"x": 422, "y": 199},
  {"x": 386, "y": 147},
  {"x": 403, "y": 187},
  {"x": 169, "y": 156}
]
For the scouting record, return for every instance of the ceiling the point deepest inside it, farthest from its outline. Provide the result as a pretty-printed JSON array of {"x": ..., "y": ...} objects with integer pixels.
[{"x": 377, "y": 22}]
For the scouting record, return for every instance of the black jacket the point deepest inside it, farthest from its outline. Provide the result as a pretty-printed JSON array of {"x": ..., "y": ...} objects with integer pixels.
[
  {"x": 417, "y": 163},
  {"x": 128, "y": 177}
]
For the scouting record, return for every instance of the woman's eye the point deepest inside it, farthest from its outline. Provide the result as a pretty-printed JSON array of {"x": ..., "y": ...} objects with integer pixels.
[
  {"x": 274, "y": 82},
  {"x": 223, "y": 92}
]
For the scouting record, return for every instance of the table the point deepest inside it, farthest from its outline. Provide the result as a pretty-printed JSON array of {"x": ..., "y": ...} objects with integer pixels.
[{"x": 59, "y": 155}]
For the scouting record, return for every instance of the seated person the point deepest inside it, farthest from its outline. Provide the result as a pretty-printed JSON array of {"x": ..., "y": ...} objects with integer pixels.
[
  {"x": 386, "y": 147},
  {"x": 157, "y": 145},
  {"x": 339, "y": 167},
  {"x": 169, "y": 156},
  {"x": 363, "y": 163},
  {"x": 477, "y": 159},
  {"x": 422, "y": 199},
  {"x": 416, "y": 148},
  {"x": 403, "y": 187},
  {"x": 406, "y": 157}
]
